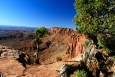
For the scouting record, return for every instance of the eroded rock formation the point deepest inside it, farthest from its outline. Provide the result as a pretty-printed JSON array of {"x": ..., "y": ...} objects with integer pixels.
[
  {"x": 77, "y": 39},
  {"x": 10, "y": 53},
  {"x": 63, "y": 42}
]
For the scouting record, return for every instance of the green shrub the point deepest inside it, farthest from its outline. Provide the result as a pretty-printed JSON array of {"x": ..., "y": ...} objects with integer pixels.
[
  {"x": 27, "y": 66},
  {"x": 112, "y": 57},
  {"x": 59, "y": 58},
  {"x": 41, "y": 32},
  {"x": 107, "y": 43},
  {"x": 102, "y": 42},
  {"x": 80, "y": 73},
  {"x": 86, "y": 43}
]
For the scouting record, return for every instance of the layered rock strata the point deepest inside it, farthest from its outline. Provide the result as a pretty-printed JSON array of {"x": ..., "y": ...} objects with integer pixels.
[{"x": 75, "y": 46}]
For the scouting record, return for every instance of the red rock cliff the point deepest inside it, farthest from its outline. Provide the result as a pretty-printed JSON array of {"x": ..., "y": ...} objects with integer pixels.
[{"x": 75, "y": 46}]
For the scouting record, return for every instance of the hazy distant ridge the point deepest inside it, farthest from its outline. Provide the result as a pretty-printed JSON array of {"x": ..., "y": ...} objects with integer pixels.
[{"x": 5, "y": 27}]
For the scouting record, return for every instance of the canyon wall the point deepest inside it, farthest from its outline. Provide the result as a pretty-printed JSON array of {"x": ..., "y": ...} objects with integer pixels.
[{"x": 75, "y": 46}]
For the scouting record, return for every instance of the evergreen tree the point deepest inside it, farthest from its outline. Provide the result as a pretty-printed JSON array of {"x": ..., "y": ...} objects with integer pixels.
[
  {"x": 96, "y": 18},
  {"x": 41, "y": 32}
]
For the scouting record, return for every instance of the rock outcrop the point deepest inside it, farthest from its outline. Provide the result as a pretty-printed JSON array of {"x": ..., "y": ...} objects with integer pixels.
[
  {"x": 97, "y": 61},
  {"x": 77, "y": 39},
  {"x": 56, "y": 30},
  {"x": 9, "y": 53}
]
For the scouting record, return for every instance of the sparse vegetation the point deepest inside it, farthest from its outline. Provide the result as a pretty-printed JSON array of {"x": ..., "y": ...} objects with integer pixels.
[
  {"x": 80, "y": 73},
  {"x": 59, "y": 58},
  {"x": 41, "y": 32},
  {"x": 86, "y": 43},
  {"x": 27, "y": 66},
  {"x": 112, "y": 57}
]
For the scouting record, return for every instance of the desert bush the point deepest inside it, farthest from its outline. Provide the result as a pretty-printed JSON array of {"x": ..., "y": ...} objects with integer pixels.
[
  {"x": 94, "y": 21},
  {"x": 102, "y": 42},
  {"x": 27, "y": 66},
  {"x": 41, "y": 32},
  {"x": 86, "y": 43},
  {"x": 59, "y": 58},
  {"x": 107, "y": 43},
  {"x": 80, "y": 73}
]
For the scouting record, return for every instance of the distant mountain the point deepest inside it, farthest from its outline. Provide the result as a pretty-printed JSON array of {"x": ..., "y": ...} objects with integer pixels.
[
  {"x": 6, "y": 27},
  {"x": 13, "y": 29}
]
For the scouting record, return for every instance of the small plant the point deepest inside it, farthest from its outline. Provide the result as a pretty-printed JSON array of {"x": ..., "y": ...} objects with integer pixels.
[
  {"x": 59, "y": 58},
  {"x": 112, "y": 57},
  {"x": 86, "y": 43},
  {"x": 80, "y": 73},
  {"x": 103, "y": 43},
  {"x": 27, "y": 66}
]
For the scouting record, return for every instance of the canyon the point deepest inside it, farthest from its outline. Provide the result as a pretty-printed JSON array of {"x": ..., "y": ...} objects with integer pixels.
[{"x": 63, "y": 42}]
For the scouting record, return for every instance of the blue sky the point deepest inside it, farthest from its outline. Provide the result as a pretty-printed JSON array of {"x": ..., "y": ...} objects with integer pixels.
[{"x": 37, "y": 13}]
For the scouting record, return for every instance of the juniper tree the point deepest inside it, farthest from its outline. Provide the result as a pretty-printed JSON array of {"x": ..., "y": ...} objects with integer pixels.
[
  {"x": 39, "y": 32},
  {"x": 96, "y": 18}
]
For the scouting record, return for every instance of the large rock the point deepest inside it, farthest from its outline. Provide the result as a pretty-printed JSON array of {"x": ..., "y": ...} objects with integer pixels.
[
  {"x": 9, "y": 53},
  {"x": 75, "y": 46},
  {"x": 97, "y": 62},
  {"x": 67, "y": 69}
]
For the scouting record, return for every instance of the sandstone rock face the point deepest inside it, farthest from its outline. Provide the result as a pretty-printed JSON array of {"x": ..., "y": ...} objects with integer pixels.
[
  {"x": 67, "y": 31},
  {"x": 9, "y": 53},
  {"x": 75, "y": 46}
]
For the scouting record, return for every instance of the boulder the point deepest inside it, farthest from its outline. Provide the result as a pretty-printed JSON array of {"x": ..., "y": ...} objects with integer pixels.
[
  {"x": 67, "y": 69},
  {"x": 9, "y": 53}
]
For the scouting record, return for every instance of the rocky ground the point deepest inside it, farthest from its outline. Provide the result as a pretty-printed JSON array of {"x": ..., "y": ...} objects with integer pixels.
[{"x": 10, "y": 67}]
